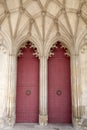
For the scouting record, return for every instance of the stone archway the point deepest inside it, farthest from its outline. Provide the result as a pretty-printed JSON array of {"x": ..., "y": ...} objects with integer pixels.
[
  {"x": 74, "y": 68},
  {"x": 59, "y": 87},
  {"x": 27, "y": 94},
  {"x": 43, "y": 112}
]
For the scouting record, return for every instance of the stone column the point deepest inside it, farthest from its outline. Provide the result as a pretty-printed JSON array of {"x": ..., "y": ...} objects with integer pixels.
[
  {"x": 76, "y": 89},
  {"x": 11, "y": 92},
  {"x": 43, "y": 114}
]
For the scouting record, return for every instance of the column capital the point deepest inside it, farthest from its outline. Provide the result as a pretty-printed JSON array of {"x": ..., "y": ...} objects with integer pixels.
[
  {"x": 43, "y": 120},
  {"x": 12, "y": 54},
  {"x": 75, "y": 54},
  {"x": 43, "y": 57}
]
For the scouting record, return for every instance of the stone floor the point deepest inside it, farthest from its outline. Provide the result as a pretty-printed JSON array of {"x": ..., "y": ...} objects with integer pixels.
[{"x": 26, "y": 126}]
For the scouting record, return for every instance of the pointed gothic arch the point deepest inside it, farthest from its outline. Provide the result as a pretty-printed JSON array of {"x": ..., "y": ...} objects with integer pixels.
[
  {"x": 22, "y": 41},
  {"x": 27, "y": 85},
  {"x": 59, "y": 85},
  {"x": 64, "y": 41}
]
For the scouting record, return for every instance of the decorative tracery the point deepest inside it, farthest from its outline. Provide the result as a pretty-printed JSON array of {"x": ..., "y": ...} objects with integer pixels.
[
  {"x": 51, "y": 53},
  {"x": 31, "y": 45}
]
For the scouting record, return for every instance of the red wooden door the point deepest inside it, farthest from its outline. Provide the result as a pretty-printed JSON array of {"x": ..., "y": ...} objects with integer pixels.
[
  {"x": 27, "y": 100},
  {"x": 59, "y": 88}
]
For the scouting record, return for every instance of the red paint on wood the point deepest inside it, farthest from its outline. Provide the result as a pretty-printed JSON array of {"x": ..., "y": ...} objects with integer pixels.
[
  {"x": 59, "y": 107},
  {"x": 27, "y": 107}
]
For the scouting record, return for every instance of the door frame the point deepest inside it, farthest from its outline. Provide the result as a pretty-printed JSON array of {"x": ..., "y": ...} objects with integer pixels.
[
  {"x": 27, "y": 47},
  {"x": 43, "y": 112},
  {"x": 63, "y": 58}
]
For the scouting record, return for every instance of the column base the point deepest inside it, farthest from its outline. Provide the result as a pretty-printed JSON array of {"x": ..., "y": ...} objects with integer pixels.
[
  {"x": 2, "y": 122},
  {"x": 78, "y": 123},
  {"x": 84, "y": 123},
  {"x": 7, "y": 122},
  {"x": 10, "y": 121},
  {"x": 43, "y": 120}
]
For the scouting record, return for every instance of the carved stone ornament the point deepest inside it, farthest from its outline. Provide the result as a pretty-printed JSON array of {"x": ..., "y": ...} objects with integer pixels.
[
  {"x": 2, "y": 47},
  {"x": 31, "y": 45},
  {"x": 84, "y": 48},
  {"x": 84, "y": 10},
  {"x": 43, "y": 119},
  {"x": 51, "y": 53},
  {"x": 10, "y": 121},
  {"x": 67, "y": 52}
]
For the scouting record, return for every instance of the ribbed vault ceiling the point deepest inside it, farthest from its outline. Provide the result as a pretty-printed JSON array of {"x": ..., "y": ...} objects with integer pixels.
[{"x": 43, "y": 19}]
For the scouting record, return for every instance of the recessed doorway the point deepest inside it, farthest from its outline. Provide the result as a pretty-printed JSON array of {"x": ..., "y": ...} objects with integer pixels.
[
  {"x": 27, "y": 99},
  {"x": 59, "y": 87}
]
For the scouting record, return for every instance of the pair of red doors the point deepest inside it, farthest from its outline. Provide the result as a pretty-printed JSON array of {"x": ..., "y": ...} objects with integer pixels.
[{"x": 59, "y": 93}]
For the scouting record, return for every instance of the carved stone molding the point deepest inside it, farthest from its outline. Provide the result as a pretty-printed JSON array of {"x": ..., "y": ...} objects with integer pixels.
[
  {"x": 7, "y": 122},
  {"x": 84, "y": 10},
  {"x": 83, "y": 47},
  {"x": 2, "y": 47},
  {"x": 51, "y": 53},
  {"x": 10, "y": 121},
  {"x": 43, "y": 119},
  {"x": 67, "y": 52},
  {"x": 84, "y": 123},
  {"x": 31, "y": 45}
]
